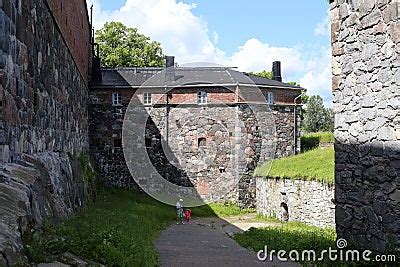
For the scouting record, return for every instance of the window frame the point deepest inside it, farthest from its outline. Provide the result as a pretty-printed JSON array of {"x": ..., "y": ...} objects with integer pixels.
[
  {"x": 147, "y": 96},
  {"x": 202, "y": 97},
  {"x": 270, "y": 98},
  {"x": 116, "y": 99}
]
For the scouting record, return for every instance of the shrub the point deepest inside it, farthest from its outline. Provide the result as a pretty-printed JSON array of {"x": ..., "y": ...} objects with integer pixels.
[{"x": 313, "y": 140}]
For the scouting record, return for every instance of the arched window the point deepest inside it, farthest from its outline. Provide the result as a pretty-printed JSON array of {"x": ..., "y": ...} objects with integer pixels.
[{"x": 201, "y": 142}]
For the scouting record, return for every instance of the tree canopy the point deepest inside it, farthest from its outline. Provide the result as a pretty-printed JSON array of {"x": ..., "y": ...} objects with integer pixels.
[
  {"x": 122, "y": 46},
  {"x": 315, "y": 116},
  {"x": 268, "y": 75},
  {"x": 264, "y": 74}
]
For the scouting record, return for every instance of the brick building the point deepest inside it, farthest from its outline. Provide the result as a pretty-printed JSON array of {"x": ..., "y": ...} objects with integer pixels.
[{"x": 206, "y": 126}]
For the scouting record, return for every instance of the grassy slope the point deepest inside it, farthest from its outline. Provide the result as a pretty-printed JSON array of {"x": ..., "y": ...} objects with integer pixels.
[
  {"x": 287, "y": 237},
  {"x": 317, "y": 164},
  {"x": 118, "y": 229}
]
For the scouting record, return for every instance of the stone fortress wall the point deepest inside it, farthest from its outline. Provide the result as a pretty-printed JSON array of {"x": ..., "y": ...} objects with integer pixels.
[
  {"x": 231, "y": 151},
  {"x": 310, "y": 202},
  {"x": 366, "y": 81},
  {"x": 44, "y": 117}
]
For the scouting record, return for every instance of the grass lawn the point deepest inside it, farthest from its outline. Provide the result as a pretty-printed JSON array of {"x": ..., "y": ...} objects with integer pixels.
[
  {"x": 118, "y": 229},
  {"x": 288, "y": 236},
  {"x": 220, "y": 210},
  {"x": 323, "y": 137},
  {"x": 317, "y": 164}
]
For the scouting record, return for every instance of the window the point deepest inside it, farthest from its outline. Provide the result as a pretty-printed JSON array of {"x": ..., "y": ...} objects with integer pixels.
[
  {"x": 147, "y": 142},
  {"x": 201, "y": 142},
  {"x": 202, "y": 97},
  {"x": 270, "y": 98},
  {"x": 147, "y": 98},
  {"x": 116, "y": 99},
  {"x": 117, "y": 143}
]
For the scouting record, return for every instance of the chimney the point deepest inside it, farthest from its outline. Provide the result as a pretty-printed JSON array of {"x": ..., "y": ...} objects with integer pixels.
[
  {"x": 169, "y": 61},
  {"x": 276, "y": 71}
]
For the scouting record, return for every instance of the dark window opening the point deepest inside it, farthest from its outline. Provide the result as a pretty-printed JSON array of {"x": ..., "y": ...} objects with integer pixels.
[
  {"x": 201, "y": 142},
  {"x": 117, "y": 143},
  {"x": 147, "y": 142},
  {"x": 221, "y": 169},
  {"x": 285, "y": 212}
]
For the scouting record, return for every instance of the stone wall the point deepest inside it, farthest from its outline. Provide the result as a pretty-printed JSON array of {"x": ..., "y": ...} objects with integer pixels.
[
  {"x": 236, "y": 141},
  {"x": 43, "y": 96},
  {"x": 366, "y": 69},
  {"x": 43, "y": 124},
  {"x": 309, "y": 202},
  {"x": 73, "y": 22}
]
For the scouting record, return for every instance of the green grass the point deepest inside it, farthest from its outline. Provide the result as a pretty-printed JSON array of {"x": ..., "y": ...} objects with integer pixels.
[
  {"x": 220, "y": 210},
  {"x": 312, "y": 140},
  {"x": 317, "y": 164},
  {"x": 324, "y": 137},
  {"x": 288, "y": 236},
  {"x": 117, "y": 229}
]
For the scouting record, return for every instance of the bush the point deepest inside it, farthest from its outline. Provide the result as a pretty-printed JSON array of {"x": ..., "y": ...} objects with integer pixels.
[{"x": 313, "y": 140}]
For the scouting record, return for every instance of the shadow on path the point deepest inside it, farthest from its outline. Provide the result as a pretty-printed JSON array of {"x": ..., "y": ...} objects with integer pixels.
[{"x": 205, "y": 242}]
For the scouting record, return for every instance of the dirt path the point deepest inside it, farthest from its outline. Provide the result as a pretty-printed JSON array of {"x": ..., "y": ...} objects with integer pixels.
[{"x": 205, "y": 242}]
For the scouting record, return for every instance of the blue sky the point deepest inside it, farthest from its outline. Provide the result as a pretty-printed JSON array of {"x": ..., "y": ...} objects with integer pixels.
[{"x": 245, "y": 34}]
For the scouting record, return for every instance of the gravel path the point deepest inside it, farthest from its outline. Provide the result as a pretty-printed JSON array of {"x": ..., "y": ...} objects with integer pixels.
[{"x": 205, "y": 242}]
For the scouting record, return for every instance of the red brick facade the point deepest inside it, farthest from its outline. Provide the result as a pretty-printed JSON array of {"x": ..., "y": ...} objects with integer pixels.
[
  {"x": 189, "y": 96},
  {"x": 73, "y": 21}
]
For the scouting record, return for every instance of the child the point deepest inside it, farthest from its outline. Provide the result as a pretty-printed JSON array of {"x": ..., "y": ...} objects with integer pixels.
[{"x": 188, "y": 212}]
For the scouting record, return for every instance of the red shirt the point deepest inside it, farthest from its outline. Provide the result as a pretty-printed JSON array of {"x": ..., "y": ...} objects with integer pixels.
[{"x": 187, "y": 213}]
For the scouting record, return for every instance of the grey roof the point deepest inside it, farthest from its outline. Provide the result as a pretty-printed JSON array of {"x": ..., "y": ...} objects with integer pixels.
[{"x": 160, "y": 77}]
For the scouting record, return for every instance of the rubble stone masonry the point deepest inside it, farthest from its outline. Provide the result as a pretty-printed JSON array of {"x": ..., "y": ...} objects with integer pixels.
[
  {"x": 366, "y": 81},
  {"x": 231, "y": 151},
  {"x": 44, "y": 117}
]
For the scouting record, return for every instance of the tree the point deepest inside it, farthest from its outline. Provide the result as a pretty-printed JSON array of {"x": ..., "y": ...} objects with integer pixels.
[
  {"x": 121, "y": 46},
  {"x": 264, "y": 74},
  {"x": 294, "y": 83},
  {"x": 316, "y": 116},
  {"x": 268, "y": 75}
]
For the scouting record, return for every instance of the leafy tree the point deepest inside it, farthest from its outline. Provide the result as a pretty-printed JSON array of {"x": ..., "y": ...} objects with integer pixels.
[
  {"x": 121, "y": 46},
  {"x": 294, "y": 83},
  {"x": 268, "y": 75},
  {"x": 316, "y": 116},
  {"x": 264, "y": 74}
]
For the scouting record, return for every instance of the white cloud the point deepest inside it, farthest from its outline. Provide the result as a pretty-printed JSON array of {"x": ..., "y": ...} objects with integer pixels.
[
  {"x": 323, "y": 28},
  {"x": 256, "y": 56},
  {"x": 186, "y": 36},
  {"x": 170, "y": 22},
  {"x": 318, "y": 76}
]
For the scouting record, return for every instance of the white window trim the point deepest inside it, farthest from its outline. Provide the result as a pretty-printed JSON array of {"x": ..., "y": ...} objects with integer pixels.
[
  {"x": 270, "y": 98},
  {"x": 202, "y": 97},
  {"x": 116, "y": 99},
  {"x": 144, "y": 99}
]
